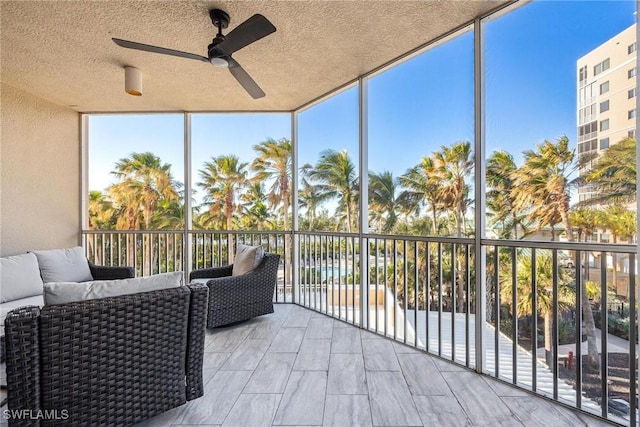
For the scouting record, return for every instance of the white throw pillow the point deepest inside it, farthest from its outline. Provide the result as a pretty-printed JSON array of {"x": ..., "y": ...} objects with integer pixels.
[
  {"x": 65, "y": 292},
  {"x": 19, "y": 277},
  {"x": 247, "y": 259},
  {"x": 64, "y": 265}
]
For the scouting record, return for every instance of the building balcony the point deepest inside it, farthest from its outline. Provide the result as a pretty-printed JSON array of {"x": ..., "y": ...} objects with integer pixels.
[{"x": 413, "y": 308}]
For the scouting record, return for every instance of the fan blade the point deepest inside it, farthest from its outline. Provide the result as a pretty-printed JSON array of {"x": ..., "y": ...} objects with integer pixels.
[
  {"x": 155, "y": 49},
  {"x": 251, "y": 30},
  {"x": 245, "y": 79}
]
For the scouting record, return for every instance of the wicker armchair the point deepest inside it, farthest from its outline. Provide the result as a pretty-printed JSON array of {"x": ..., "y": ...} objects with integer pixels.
[
  {"x": 104, "y": 362},
  {"x": 236, "y": 298}
]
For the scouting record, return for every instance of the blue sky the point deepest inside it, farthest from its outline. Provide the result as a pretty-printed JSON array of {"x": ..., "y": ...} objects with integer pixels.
[{"x": 414, "y": 108}]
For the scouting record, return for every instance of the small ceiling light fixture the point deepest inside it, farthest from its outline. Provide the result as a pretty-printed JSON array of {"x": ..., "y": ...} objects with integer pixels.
[{"x": 133, "y": 81}]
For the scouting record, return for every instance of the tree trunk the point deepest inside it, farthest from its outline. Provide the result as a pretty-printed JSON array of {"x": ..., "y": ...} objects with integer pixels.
[
  {"x": 149, "y": 253},
  {"x": 312, "y": 218},
  {"x": 587, "y": 313},
  {"x": 435, "y": 221},
  {"x": 548, "y": 348},
  {"x": 228, "y": 211},
  {"x": 614, "y": 265},
  {"x": 130, "y": 243},
  {"x": 460, "y": 282},
  {"x": 287, "y": 245},
  {"x": 590, "y": 329}
]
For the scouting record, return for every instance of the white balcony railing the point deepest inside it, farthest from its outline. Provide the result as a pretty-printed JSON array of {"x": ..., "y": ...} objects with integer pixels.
[{"x": 533, "y": 316}]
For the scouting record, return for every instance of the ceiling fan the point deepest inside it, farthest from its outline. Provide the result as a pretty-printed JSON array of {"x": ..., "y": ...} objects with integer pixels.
[{"x": 222, "y": 47}]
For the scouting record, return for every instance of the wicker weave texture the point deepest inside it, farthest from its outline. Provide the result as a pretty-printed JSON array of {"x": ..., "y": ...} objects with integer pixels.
[
  {"x": 110, "y": 273},
  {"x": 195, "y": 340},
  {"x": 113, "y": 361},
  {"x": 23, "y": 379},
  {"x": 98, "y": 273},
  {"x": 209, "y": 273},
  {"x": 236, "y": 298}
]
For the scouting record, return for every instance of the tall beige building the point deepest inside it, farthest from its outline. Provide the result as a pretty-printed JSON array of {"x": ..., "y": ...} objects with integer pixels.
[{"x": 606, "y": 97}]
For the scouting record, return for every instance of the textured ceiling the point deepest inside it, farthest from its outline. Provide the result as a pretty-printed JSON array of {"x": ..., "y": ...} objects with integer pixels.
[{"x": 62, "y": 50}]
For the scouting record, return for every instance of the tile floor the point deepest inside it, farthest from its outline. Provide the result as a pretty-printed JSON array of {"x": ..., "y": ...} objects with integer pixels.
[{"x": 300, "y": 368}]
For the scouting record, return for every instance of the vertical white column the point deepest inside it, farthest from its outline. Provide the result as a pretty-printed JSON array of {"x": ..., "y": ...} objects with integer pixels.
[
  {"x": 364, "y": 200},
  {"x": 84, "y": 177},
  {"x": 295, "y": 262},
  {"x": 480, "y": 204},
  {"x": 188, "y": 219}
]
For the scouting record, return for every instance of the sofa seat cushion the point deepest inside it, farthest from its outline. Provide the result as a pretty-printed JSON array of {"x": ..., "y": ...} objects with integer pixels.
[
  {"x": 247, "y": 258},
  {"x": 64, "y": 265},
  {"x": 66, "y": 292},
  {"x": 19, "y": 277}
]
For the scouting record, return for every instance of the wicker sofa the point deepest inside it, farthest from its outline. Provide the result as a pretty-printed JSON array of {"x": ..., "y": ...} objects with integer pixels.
[
  {"x": 98, "y": 272},
  {"x": 110, "y": 361},
  {"x": 34, "y": 296},
  {"x": 236, "y": 298}
]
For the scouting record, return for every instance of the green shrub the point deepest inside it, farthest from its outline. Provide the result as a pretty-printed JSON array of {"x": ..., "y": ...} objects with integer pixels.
[{"x": 566, "y": 332}]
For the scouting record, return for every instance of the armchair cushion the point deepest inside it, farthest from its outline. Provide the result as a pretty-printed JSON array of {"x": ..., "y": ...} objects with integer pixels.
[
  {"x": 247, "y": 258},
  {"x": 20, "y": 277},
  {"x": 64, "y": 265},
  {"x": 66, "y": 292}
]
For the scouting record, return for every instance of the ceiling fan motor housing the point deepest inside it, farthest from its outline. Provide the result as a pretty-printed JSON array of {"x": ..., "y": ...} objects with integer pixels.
[
  {"x": 217, "y": 56},
  {"x": 220, "y": 20}
]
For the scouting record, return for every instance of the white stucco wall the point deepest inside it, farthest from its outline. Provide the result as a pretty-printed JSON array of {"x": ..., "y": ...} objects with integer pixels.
[{"x": 39, "y": 174}]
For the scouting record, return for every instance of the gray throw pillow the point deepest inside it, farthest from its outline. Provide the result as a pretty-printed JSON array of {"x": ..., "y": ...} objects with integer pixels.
[
  {"x": 64, "y": 265},
  {"x": 66, "y": 292},
  {"x": 19, "y": 277},
  {"x": 247, "y": 259}
]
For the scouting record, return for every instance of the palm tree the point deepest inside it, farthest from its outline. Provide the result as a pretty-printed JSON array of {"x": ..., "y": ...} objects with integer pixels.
[
  {"x": 614, "y": 174},
  {"x": 147, "y": 180},
  {"x": 255, "y": 212},
  {"x": 423, "y": 187},
  {"x": 337, "y": 178},
  {"x": 127, "y": 204},
  {"x": 169, "y": 215},
  {"x": 101, "y": 211},
  {"x": 311, "y": 197},
  {"x": 274, "y": 164},
  {"x": 144, "y": 181},
  {"x": 455, "y": 164},
  {"x": 544, "y": 287},
  {"x": 223, "y": 179},
  {"x": 541, "y": 185},
  {"x": 541, "y": 188},
  {"x": 585, "y": 221},
  {"x": 102, "y": 216},
  {"x": 500, "y": 201},
  {"x": 622, "y": 223},
  {"x": 384, "y": 203}
]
